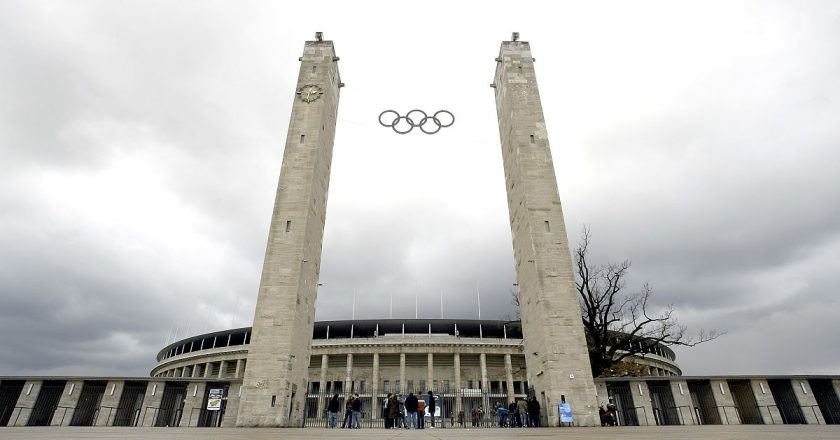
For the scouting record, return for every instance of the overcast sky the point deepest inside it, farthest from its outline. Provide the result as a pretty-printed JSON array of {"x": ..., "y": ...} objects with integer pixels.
[{"x": 141, "y": 142}]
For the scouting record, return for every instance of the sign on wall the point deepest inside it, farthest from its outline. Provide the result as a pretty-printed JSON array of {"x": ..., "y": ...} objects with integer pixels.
[{"x": 214, "y": 399}]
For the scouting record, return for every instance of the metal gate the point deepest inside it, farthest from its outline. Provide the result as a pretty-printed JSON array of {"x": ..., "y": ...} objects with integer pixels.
[
  {"x": 742, "y": 394},
  {"x": 46, "y": 403},
  {"x": 826, "y": 399},
  {"x": 786, "y": 400},
  {"x": 171, "y": 404},
  {"x": 662, "y": 400},
  {"x": 703, "y": 401},
  {"x": 622, "y": 398},
  {"x": 212, "y": 418},
  {"x": 9, "y": 393},
  {"x": 87, "y": 407},
  {"x": 131, "y": 403}
]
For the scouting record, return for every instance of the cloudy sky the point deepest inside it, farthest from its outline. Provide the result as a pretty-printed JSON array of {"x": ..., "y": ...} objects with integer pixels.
[{"x": 141, "y": 142}]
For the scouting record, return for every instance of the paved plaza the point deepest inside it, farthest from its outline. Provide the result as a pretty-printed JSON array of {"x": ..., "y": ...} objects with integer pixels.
[{"x": 740, "y": 432}]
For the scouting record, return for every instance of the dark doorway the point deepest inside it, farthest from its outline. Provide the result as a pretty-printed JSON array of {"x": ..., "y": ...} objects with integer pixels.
[
  {"x": 213, "y": 418},
  {"x": 826, "y": 399},
  {"x": 703, "y": 403},
  {"x": 131, "y": 403},
  {"x": 662, "y": 400},
  {"x": 9, "y": 393},
  {"x": 622, "y": 398},
  {"x": 46, "y": 403},
  {"x": 786, "y": 401},
  {"x": 744, "y": 397},
  {"x": 171, "y": 404},
  {"x": 87, "y": 408}
]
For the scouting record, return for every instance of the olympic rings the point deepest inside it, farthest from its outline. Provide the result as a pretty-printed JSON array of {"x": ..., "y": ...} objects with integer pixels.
[{"x": 416, "y": 121}]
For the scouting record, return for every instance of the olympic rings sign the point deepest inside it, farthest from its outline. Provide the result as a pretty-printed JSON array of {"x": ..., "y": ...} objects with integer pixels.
[{"x": 404, "y": 124}]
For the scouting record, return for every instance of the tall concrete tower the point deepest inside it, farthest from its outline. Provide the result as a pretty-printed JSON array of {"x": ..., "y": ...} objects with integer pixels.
[
  {"x": 555, "y": 345},
  {"x": 274, "y": 387}
]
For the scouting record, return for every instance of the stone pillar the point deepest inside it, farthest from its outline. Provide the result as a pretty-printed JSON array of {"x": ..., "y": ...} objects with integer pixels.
[
  {"x": 682, "y": 400},
  {"x": 208, "y": 368},
  {"x": 222, "y": 368},
  {"x": 482, "y": 358},
  {"x": 193, "y": 402},
  {"x": 458, "y": 388},
  {"x": 554, "y": 341},
  {"x": 238, "y": 373},
  {"x": 807, "y": 401},
  {"x": 109, "y": 403},
  {"x": 402, "y": 373},
  {"x": 325, "y": 361},
  {"x": 195, "y": 370},
  {"x": 186, "y": 371},
  {"x": 766, "y": 403},
  {"x": 725, "y": 403},
  {"x": 375, "y": 375},
  {"x": 430, "y": 373},
  {"x": 348, "y": 381},
  {"x": 509, "y": 378},
  {"x": 281, "y": 339},
  {"x": 67, "y": 403},
  {"x": 641, "y": 398},
  {"x": 154, "y": 394},
  {"x": 25, "y": 402}
]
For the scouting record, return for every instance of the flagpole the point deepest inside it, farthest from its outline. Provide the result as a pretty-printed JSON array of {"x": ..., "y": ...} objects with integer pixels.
[
  {"x": 354, "y": 303},
  {"x": 478, "y": 294}
]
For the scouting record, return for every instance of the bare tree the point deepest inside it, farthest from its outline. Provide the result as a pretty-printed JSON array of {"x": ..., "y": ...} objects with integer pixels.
[{"x": 620, "y": 324}]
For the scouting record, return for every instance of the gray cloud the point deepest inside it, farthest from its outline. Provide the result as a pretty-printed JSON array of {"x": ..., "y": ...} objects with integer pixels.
[{"x": 140, "y": 145}]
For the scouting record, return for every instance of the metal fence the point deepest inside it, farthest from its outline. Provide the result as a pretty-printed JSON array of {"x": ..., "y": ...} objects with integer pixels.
[{"x": 465, "y": 408}]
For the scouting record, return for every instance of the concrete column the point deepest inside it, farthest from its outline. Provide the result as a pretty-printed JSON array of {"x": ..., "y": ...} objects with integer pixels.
[
  {"x": 208, "y": 367},
  {"x": 682, "y": 400},
  {"x": 725, "y": 403},
  {"x": 483, "y": 360},
  {"x": 193, "y": 402},
  {"x": 222, "y": 368},
  {"x": 154, "y": 394},
  {"x": 195, "y": 370},
  {"x": 67, "y": 403},
  {"x": 807, "y": 401},
  {"x": 375, "y": 375},
  {"x": 109, "y": 403},
  {"x": 325, "y": 361},
  {"x": 348, "y": 381},
  {"x": 402, "y": 373},
  {"x": 509, "y": 378},
  {"x": 766, "y": 404},
  {"x": 430, "y": 373},
  {"x": 186, "y": 371},
  {"x": 26, "y": 401},
  {"x": 458, "y": 388},
  {"x": 641, "y": 398}
]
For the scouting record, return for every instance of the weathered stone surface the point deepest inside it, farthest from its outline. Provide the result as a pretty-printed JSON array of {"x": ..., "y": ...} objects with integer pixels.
[
  {"x": 554, "y": 341},
  {"x": 276, "y": 373}
]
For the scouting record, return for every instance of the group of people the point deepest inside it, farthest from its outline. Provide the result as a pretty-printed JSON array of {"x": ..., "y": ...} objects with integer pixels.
[
  {"x": 408, "y": 412},
  {"x": 520, "y": 413},
  {"x": 608, "y": 415},
  {"x": 352, "y": 412}
]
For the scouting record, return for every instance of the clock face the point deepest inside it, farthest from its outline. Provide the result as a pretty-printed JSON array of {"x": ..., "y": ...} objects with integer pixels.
[{"x": 309, "y": 93}]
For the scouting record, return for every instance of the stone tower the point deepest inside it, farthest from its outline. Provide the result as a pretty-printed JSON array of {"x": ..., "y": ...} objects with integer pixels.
[
  {"x": 554, "y": 342},
  {"x": 274, "y": 386}
]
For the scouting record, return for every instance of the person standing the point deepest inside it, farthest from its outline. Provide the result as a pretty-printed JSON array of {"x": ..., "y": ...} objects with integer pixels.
[
  {"x": 411, "y": 410},
  {"x": 401, "y": 419},
  {"x": 534, "y": 412},
  {"x": 432, "y": 407},
  {"x": 421, "y": 412},
  {"x": 522, "y": 406},
  {"x": 348, "y": 412},
  {"x": 332, "y": 408},
  {"x": 393, "y": 410},
  {"x": 386, "y": 413},
  {"x": 357, "y": 412},
  {"x": 513, "y": 414}
]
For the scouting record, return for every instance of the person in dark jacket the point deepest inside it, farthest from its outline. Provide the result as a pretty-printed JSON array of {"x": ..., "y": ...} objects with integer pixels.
[
  {"x": 332, "y": 408},
  {"x": 386, "y": 406},
  {"x": 513, "y": 414},
  {"x": 534, "y": 412},
  {"x": 357, "y": 412},
  {"x": 393, "y": 409},
  {"x": 348, "y": 412},
  {"x": 431, "y": 408},
  {"x": 411, "y": 410}
]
